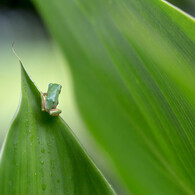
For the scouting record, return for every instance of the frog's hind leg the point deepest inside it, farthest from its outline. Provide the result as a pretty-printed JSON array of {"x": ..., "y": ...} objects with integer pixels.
[
  {"x": 43, "y": 101},
  {"x": 55, "y": 112}
]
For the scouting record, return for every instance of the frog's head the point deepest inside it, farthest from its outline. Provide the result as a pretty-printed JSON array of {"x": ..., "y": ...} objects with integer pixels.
[{"x": 52, "y": 95}]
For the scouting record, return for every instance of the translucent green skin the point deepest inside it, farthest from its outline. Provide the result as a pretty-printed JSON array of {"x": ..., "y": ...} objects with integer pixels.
[{"x": 52, "y": 96}]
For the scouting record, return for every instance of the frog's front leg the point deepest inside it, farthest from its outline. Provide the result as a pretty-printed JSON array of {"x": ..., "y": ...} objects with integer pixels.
[
  {"x": 43, "y": 101},
  {"x": 54, "y": 112}
]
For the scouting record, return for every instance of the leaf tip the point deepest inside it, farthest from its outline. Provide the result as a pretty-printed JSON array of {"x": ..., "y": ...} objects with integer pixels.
[{"x": 27, "y": 82}]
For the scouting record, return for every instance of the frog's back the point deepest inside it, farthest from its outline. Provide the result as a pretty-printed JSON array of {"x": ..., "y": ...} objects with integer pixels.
[{"x": 53, "y": 91}]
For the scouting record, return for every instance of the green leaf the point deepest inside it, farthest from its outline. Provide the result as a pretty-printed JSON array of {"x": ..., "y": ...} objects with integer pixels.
[
  {"x": 41, "y": 155},
  {"x": 132, "y": 63}
]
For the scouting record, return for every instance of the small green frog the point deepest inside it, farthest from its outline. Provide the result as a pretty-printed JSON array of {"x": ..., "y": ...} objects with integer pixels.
[{"x": 49, "y": 100}]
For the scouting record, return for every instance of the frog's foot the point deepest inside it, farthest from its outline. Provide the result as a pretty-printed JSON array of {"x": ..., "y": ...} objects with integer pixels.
[
  {"x": 43, "y": 101},
  {"x": 54, "y": 112}
]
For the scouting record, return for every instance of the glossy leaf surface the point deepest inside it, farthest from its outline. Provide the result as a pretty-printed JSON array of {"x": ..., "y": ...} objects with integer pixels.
[{"x": 41, "y": 155}]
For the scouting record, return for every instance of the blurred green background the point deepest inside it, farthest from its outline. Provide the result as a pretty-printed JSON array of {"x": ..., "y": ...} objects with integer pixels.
[{"x": 20, "y": 23}]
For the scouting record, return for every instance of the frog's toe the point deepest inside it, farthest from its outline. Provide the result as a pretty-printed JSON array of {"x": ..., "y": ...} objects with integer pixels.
[{"x": 55, "y": 112}]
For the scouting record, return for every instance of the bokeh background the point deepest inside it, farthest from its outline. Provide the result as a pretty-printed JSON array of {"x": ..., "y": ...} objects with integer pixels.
[{"x": 20, "y": 23}]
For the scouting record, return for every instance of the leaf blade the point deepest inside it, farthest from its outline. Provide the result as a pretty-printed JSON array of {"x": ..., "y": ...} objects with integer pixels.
[
  {"x": 138, "y": 57},
  {"x": 42, "y": 156}
]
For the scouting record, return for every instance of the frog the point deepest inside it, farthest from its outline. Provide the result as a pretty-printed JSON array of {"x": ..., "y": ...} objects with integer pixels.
[{"x": 49, "y": 100}]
